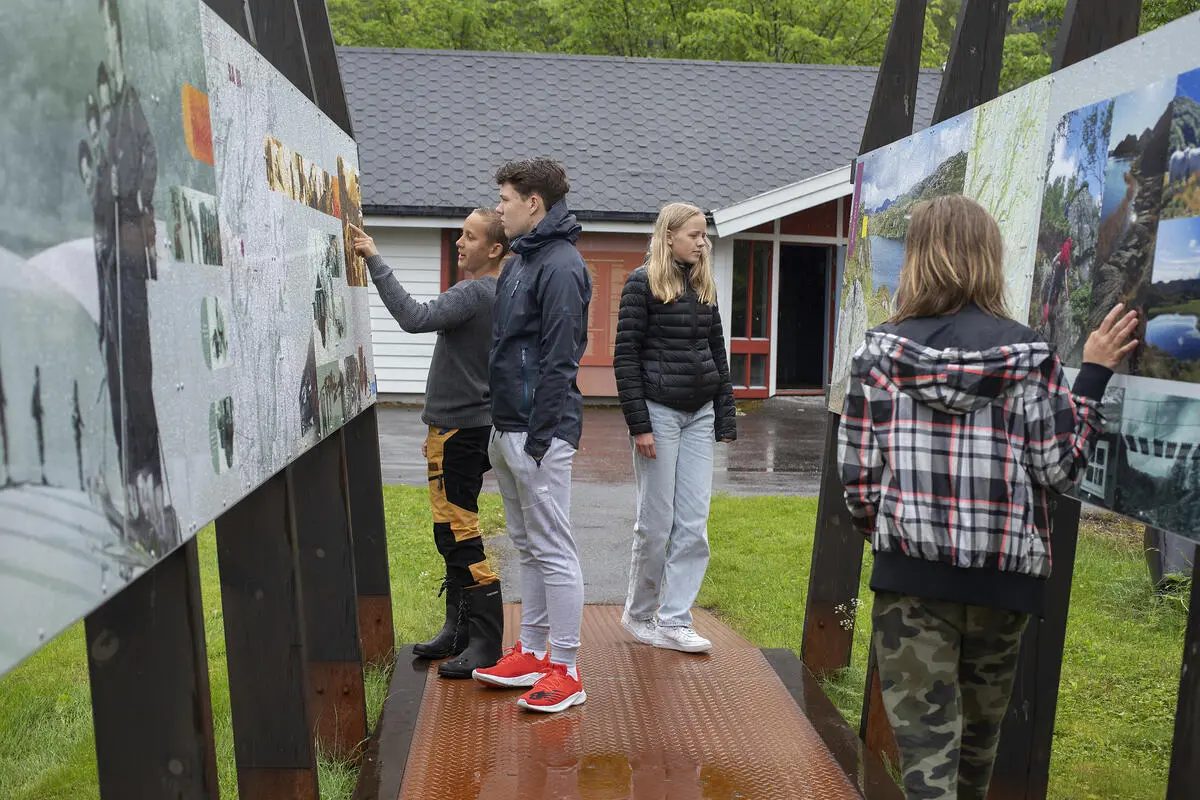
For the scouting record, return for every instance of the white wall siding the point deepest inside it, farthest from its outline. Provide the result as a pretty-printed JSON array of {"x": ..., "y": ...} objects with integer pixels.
[
  {"x": 402, "y": 359},
  {"x": 722, "y": 256}
]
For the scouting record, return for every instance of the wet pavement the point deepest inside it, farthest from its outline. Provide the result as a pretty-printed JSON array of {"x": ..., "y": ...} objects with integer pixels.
[{"x": 778, "y": 452}]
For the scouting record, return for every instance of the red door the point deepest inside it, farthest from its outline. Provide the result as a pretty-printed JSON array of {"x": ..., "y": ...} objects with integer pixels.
[{"x": 750, "y": 319}]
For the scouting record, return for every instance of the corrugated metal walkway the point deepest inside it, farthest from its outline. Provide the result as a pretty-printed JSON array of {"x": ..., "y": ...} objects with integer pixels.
[{"x": 658, "y": 725}]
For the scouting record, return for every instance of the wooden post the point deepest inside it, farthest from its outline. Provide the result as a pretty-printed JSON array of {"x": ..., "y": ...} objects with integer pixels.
[
  {"x": 1092, "y": 26},
  {"x": 236, "y": 15},
  {"x": 1023, "y": 760},
  {"x": 278, "y": 36},
  {"x": 378, "y": 638},
  {"x": 328, "y": 91},
  {"x": 973, "y": 68},
  {"x": 1183, "y": 781},
  {"x": 895, "y": 99},
  {"x": 151, "y": 706},
  {"x": 337, "y": 698},
  {"x": 265, "y": 648},
  {"x": 874, "y": 727},
  {"x": 837, "y": 549},
  {"x": 836, "y": 569}
]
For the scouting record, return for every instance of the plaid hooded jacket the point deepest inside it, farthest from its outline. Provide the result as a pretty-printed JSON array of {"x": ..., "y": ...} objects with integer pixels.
[{"x": 947, "y": 454}]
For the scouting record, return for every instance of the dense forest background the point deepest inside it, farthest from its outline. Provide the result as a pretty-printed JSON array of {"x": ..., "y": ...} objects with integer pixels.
[{"x": 790, "y": 31}]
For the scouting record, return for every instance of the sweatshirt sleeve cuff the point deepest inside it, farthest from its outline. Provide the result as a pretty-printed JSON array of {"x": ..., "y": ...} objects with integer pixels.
[
  {"x": 378, "y": 268},
  {"x": 1092, "y": 381}
]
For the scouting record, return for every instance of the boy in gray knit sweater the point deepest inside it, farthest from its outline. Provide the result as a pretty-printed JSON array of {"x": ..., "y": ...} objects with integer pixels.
[{"x": 458, "y": 413}]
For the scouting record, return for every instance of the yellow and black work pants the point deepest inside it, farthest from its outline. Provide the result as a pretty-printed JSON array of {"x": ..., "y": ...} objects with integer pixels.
[{"x": 457, "y": 460}]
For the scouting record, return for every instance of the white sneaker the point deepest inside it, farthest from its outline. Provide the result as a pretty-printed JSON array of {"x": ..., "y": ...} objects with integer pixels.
[
  {"x": 684, "y": 639},
  {"x": 642, "y": 629}
]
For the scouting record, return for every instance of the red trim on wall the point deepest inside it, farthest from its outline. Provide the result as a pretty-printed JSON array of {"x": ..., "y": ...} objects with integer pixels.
[
  {"x": 758, "y": 346},
  {"x": 816, "y": 221},
  {"x": 449, "y": 260},
  {"x": 831, "y": 316}
]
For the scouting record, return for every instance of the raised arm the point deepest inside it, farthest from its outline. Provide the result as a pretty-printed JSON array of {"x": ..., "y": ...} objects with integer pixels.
[{"x": 447, "y": 311}]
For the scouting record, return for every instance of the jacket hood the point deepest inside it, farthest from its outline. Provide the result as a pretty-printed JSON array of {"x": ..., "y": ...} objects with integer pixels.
[
  {"x": 559, "y": 223},
  {"x": 951, "y": 380}
]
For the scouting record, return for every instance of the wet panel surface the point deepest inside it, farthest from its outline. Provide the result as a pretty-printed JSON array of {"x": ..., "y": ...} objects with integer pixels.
[{"x": 657, "y": 724}]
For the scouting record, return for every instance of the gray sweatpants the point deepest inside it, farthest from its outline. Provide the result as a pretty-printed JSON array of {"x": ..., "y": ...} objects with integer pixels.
[{"x": 537, "y": 509}]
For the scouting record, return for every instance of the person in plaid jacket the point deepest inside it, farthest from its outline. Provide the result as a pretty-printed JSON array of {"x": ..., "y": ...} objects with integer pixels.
[{"x": 958, "y": 424}]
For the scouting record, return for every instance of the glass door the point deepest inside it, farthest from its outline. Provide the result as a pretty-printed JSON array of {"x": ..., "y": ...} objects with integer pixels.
[{"x": 750, "y": 319}]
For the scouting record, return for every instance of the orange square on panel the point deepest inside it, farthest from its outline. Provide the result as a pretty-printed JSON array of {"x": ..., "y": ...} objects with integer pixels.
[{"x": 197, "y": 124}]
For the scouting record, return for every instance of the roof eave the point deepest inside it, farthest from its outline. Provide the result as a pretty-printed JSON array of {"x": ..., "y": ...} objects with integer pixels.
[
  {"x": 785, "y": 200},
  {"x": 583, "y": 215}
]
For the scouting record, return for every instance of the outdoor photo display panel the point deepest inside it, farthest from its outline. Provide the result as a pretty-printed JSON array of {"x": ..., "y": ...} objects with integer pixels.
[
  {"x": 178, "y": 315},
  {"x": 1093, "y": 175}
]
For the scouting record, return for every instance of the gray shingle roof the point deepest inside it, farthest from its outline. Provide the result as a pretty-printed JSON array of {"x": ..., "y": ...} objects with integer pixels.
[{"x": 633, "y": 133}]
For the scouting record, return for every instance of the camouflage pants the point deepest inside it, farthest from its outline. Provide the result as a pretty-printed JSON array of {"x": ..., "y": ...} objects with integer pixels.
[{"x": 947, "y": 671}]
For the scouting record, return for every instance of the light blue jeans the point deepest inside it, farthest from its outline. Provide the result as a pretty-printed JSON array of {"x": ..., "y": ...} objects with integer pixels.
[{"x": 670, "y": 534}]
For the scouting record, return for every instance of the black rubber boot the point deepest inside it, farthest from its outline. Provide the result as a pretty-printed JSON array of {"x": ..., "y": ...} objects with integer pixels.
[
  {"x": 452, "y": 639},
  {"x": 485, "y": 612}
]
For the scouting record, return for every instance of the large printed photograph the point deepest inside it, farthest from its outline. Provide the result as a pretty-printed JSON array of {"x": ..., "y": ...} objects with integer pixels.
[
  {"x": 157, "y": 355},
  {"x": 1101, "y": 207},
  {"x": 889, "y": 183}
]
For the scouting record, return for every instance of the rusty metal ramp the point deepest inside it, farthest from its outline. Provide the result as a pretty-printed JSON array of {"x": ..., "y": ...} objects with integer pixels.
[{"x": 657, "y": 725}]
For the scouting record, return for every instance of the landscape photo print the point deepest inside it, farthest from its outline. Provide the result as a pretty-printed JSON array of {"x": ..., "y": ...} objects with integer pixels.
[{"x": 1094, "y": 178}]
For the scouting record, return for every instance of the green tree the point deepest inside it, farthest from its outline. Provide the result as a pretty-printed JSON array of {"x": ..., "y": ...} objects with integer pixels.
[{"x": 792, "y": 31}]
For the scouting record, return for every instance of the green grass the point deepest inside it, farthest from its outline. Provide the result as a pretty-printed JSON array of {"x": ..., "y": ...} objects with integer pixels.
[
  {"x": 47, "y": 746},
  {"x": 1120, "y": 675},
  {"x": 1189, "y": 307},
  {"x": 1116, "y": 704}
]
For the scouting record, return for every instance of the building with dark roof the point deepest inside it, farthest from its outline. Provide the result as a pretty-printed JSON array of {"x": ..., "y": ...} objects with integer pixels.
[{"x": 765, "y": 149}]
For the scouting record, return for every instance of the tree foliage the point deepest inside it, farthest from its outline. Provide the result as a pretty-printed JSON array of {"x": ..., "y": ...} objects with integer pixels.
[{"x": 791, "y": 31}]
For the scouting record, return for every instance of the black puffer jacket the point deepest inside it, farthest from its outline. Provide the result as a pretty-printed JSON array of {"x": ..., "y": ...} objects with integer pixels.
[{"x": 673, "y": 354}]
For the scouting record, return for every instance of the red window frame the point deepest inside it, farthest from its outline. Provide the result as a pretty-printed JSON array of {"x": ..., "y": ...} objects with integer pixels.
[{"x": 741, "y": 342}]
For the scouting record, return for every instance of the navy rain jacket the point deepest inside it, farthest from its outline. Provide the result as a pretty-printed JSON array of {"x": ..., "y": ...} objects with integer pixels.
[{"x": 540, "y": 333}]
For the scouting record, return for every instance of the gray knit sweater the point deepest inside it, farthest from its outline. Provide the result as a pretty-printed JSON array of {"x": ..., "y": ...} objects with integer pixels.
[{"x": 456, "y": 393}]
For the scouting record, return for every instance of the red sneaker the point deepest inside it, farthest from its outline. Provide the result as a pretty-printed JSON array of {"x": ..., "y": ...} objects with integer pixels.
[
  {"x": 516, "y": 667},
  {"x": 556, "y": 691}
]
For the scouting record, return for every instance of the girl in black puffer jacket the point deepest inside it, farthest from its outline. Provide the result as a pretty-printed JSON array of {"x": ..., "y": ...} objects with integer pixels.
[{"x": 673, "y": 381}]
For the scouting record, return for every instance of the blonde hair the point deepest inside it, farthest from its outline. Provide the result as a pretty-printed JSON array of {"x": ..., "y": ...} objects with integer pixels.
[
  {"x": 666, "y": 279},
  {"x": 953, "y": 256}
]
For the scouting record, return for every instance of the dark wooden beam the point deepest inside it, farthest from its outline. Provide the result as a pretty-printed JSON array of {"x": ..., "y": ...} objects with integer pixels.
[
  {"x": 322, "y": 58},
  {"x": 265, "y": 647},
  {"x": 369, "y": 528},
  {"x": 1183, "y": 781},
  {"x": 895, "y": 98},
  {"x": 972, "y": 75},
  {"x": 383, "y": 766},
  {"x": 151, "y": 706},
  {"x": 279, "y": 37},
  {"x": 236, "y": 15},
  {"x": 337, "y": 699},
  {"x": 874, "y": 727},
  {"x": 1027, "y": 735},
  {"x": 1092, "y": 26},
  {"x": 833, "y": 578}
]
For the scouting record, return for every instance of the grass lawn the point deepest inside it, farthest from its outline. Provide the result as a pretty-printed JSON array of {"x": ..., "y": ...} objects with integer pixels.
[
  {"x": 47, "y": 748},
  {"x": 1116, "y": 706}
]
